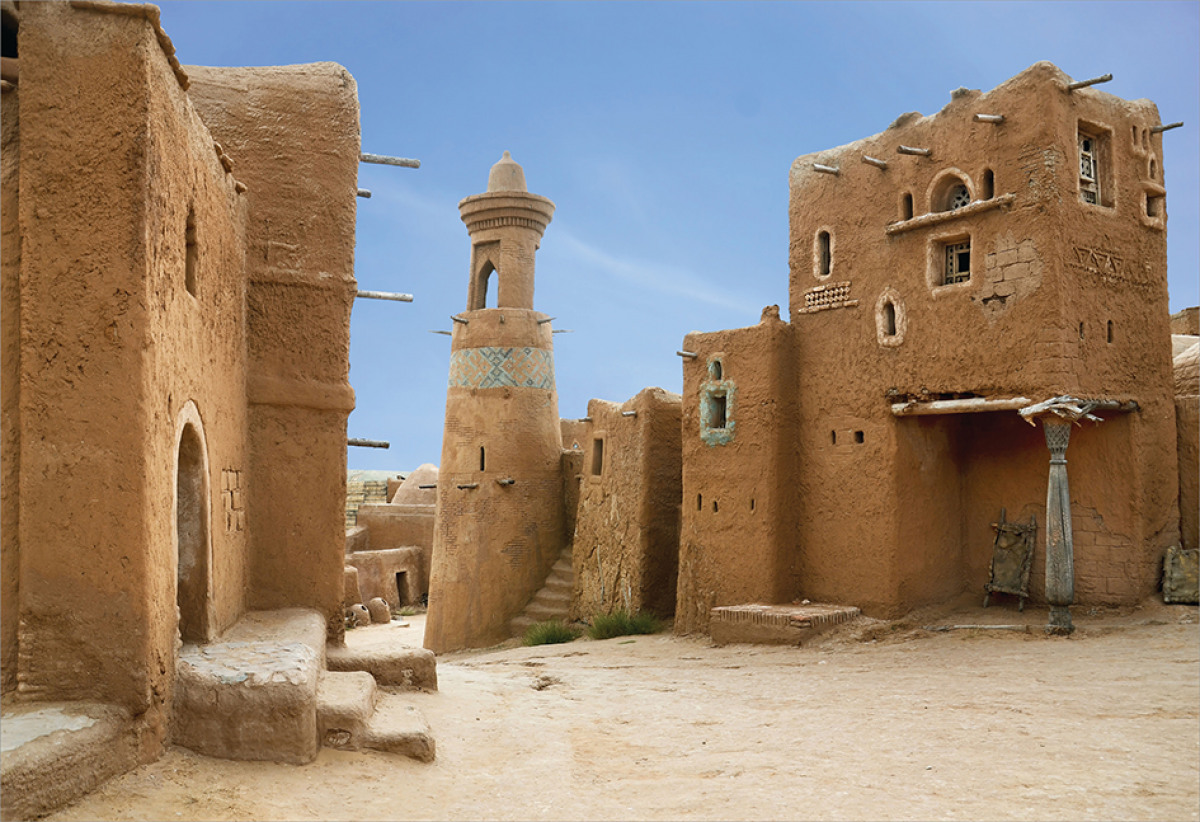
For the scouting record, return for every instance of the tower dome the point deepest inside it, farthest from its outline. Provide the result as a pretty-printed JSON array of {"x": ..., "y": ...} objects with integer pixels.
[{"x": 506, "y": 175}]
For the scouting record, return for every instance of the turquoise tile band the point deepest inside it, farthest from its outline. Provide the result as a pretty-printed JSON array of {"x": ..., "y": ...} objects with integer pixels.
[{"x": 502, "y": 367}]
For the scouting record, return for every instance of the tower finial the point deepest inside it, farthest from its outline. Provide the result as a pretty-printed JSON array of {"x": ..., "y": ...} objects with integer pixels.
[{"x": 506, "y": 175}]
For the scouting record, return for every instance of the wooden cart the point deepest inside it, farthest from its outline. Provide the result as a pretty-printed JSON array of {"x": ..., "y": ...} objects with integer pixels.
[{"x": 1012, "y": 557}]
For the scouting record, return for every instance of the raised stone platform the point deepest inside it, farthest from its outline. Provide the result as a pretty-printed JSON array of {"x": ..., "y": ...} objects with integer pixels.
[
  {"x": 55, "y": 752},
  {"x": 253, "y": 694},
  {"x": 775, "y": 624}
]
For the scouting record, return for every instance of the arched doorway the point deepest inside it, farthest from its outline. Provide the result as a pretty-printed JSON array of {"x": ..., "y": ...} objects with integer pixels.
[{"x": 191, "y": 536}]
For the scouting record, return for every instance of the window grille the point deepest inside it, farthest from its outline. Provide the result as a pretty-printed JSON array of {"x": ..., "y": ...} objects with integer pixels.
[
  {"x": 1089, "y": 177},
  {"x": 959, "y": 197},
  {"x": 958, "y": 263}
]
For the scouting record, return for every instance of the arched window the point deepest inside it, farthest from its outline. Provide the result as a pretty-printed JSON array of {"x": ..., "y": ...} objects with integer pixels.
[
  {"x": 824, "y": 253},
  {"x": 949, "y": 191},
  {"x": 191, "y": 253},
  {"x": 958, "y": 197}
]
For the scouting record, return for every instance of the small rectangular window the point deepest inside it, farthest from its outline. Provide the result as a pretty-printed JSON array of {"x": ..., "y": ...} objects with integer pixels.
[
  {"x": 597, "y": 456},
  {"x": 1095, "y": 172},
  {"x": 958, "y": 263},
  {"x": 718, "y": 418}
]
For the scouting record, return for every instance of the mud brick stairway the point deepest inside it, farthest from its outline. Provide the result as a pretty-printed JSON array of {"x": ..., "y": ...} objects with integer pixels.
[
  {"x": 553, "y": 601},
  {"x": 269, "y": 689}
]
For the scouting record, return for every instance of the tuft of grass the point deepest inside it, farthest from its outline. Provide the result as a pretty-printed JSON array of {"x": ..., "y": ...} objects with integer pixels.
[
  {"x": 623, "y": 623},
  {"x": 551, "y": 633},
  {"x": 408, "y": 610}
]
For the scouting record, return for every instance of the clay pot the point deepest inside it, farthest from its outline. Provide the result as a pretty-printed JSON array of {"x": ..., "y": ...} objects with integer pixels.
[
  {"x": 380, "y": 612},
  {"x": 359, "y": 614}
]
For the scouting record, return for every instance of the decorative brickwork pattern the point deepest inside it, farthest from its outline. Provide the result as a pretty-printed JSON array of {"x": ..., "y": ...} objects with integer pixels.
[
  {"x": 826, "y": 296},
  {"x": 1109, "y": 266},
  {"x": 231, "y": 495},
  {"x": 502, "y": 367}
]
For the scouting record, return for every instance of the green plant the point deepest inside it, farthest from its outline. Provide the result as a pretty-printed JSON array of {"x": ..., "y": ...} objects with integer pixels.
[
  {"x": 408, "y": 610},
  {"x": 623, "y": 623},
  {"x": 551, "y": 633}
]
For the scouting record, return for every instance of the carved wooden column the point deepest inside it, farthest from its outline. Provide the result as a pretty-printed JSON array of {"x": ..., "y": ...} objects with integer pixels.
[{"x": 1060, "y": 550}]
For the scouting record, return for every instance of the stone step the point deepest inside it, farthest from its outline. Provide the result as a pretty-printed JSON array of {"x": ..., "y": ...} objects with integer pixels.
[
  {"x": 776, "y": 624},
  {"x": 520, "y": 624},
  {"x": 345, "y": 702},
  {"x": 565, "y": 585},
  {"x": 414, "y": 668},
  {"x": 552, "y": 599},
  {"x": 55, "y": 752},
  {"x": 398, "y": 727},
  {"x": 563, "y": 566},
  {"x": 541, "y": 613}
]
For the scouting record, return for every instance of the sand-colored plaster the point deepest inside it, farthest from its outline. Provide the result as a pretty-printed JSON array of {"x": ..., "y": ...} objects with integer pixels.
[
  {"x": 1063, "y": 297},
  {"x": 499, "y": 526},
  {"x": 10, "y": 377},
  {"x": 292, "y": 134},
  {"x": 626, "y": 538}
]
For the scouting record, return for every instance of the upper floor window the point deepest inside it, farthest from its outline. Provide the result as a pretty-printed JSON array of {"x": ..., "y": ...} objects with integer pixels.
[
  {"x": 958, "y": 262},
  {"x": 1089, "y": 172},
  {"x": 1095, "y": 172},
  {"x": 958, "y": 197}
]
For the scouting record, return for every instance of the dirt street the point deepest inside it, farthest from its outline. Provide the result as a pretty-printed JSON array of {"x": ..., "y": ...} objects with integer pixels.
[{"x": 875, "y": 720}]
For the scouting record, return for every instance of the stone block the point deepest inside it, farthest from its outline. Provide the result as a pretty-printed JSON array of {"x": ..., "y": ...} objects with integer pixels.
[
  {"x": 402, "y": 667},
  {"x": 345, "y": 702},
  {"x": 775, "y": 624},
  {"x": 248, "y": 700},
  {"x": 253, "y": 694},
  {"x": 399, "y": 728},
  {"x": 54, "y": 753}
]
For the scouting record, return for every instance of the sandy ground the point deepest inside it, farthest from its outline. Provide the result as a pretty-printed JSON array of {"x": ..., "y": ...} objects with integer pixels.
[{"x": 871, "y": 721}]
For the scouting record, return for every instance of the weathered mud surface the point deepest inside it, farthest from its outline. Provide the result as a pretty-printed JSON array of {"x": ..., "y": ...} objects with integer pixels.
[{"x": 880, "y": 720}]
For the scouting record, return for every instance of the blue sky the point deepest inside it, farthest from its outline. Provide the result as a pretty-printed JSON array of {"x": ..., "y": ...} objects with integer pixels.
[{"x": 664, "y": 133}]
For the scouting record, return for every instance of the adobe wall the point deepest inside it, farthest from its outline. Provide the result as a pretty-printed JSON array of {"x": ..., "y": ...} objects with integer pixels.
[
  {"x": 10, "y": 372},
  {"x": 626, "y": 541},
  {"x": 1186, "y": 321},
  {"x": 293, "y": 135},
  {"x": 738, "y": 542},
  {"x": 1187, "y": 411},
  {"x": 199, "y": 351},
  {"x": 886, "y": 522},
  {"x": 494, "y": 544},
  {"x": 114, "y": 350}
]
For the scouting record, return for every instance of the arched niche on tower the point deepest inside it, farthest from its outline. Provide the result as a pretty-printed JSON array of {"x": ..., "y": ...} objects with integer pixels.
[{"x": 484, "y": 267}]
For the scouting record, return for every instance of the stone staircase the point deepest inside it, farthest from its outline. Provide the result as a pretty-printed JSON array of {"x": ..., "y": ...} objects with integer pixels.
[
  {"x": 352, "y": 714},
  {"x": 269, "y": 689},
  {"x": 553, "y": 601}
]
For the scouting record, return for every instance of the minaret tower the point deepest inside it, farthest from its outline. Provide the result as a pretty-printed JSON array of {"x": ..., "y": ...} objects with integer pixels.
[{"x": 500, "y": 499}]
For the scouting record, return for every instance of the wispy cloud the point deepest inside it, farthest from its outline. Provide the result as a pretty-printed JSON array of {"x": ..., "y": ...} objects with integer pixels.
[{"x": 664, "y": 278}]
